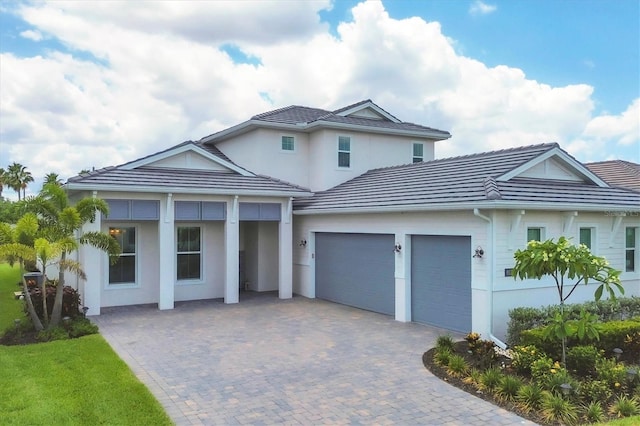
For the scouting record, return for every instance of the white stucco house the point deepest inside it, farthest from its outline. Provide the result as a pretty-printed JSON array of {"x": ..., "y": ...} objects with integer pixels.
[{"x": 349, "y": 206}]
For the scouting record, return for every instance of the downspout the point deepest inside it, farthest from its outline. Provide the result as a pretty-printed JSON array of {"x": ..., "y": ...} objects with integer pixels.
[{"x": 498, "y": 342}]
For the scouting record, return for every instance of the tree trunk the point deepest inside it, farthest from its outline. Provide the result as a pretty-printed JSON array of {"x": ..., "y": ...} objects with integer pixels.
[
  {"x": 45, "y": 312},
  {"x": 37, "y": 324},
  {"x": 56, "y": 314}
]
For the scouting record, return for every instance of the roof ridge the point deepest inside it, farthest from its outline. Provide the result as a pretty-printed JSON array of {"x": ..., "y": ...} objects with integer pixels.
[
  {"x": 491, "y": 189},
  {"x": 287, "y": 108},
  {"x": 475, "y": 155},
  {"x": 271, "y": 178}
]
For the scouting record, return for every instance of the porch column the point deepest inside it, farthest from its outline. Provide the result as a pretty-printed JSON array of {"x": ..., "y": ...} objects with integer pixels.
[
  {"x": 232, "y": 253},
  {"x": 166, "y": 243},
  {"x": 92, "y": 261},
  {"x": 403, "y": 278},
  {"x": 285, "y": 252}
]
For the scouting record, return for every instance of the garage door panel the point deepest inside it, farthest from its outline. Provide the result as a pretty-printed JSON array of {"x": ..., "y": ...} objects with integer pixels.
[
  {"x": 441, "y": 281},
  {"x": 356, "y": 270}
]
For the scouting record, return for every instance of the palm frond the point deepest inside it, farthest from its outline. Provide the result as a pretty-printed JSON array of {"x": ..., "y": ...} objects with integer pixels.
[
  {"x": 104, "y": 242},
  {"x": 74, "y": 267}
]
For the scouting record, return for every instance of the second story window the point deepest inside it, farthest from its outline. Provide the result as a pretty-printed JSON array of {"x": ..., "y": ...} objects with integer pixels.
[
  {"x": 586, "y": 237},
  {"x": 344, "y": 151},
  {"x": 418, "y": 152},
  {"x": 288, "y": 143}
]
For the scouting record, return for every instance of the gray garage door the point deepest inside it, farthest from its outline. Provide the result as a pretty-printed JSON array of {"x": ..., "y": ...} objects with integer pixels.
[
  {"x": 356, "y": 270},
  {"x": 441, "y": 281}
]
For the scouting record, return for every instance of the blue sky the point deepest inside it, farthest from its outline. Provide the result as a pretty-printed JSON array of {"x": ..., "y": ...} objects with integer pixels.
[{"x": 108, "y": 82}]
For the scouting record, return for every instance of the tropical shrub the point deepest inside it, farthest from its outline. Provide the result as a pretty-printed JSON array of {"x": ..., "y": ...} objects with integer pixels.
[
  {"x": 556, "y": 409},
  {"x": 593, "y": 412},
  {"x": 509, "y": 387},
  {"x": 523, "y": 358},
  {"x": 624, "y": 406},
  {"x": 445, "y": 342},
  {"x": 612, "y": 373},
  {"x": 490, "y": 378},
  {"x": 595, "y": 390},
  {"x": 70, "y": 300},
  {"x": 582, "y": 359},
  {"x": 457, "y": 365},
  {"x": 529, "y": 397}
]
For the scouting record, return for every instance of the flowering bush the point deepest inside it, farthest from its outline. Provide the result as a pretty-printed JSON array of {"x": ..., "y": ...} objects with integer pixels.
[{"x": 524, "y": 357}]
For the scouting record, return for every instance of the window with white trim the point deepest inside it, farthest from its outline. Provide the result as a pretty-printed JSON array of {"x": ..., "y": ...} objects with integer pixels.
[
  {"x": 288, "y": 143},
  {"x": 344, "y": 151},
  {"x": 630, "y": 249},
  {"x": 188, "y": 253},
  {"x": 124, "y": 270},
  {"x": 586, "y": 237},
  {"x": 535, "y": 233},
  {"x": 418, "y": 153}
]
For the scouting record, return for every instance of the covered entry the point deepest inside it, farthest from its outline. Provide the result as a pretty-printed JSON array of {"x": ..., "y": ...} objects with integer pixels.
[
  {"x": 441, "y": 281},
  {"x": 356, "y": 270}
]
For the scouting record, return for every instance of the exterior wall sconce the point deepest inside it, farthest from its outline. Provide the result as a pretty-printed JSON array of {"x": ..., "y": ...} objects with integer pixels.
[
  {"x": 479, "y": 252},
  {"x": 303, "y": 243},
  {"x": 397, "y": 248}
]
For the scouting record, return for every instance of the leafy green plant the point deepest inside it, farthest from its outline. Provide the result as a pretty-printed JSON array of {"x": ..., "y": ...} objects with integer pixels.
[
  {"x": 82, "y": 327},
  {"x": 445, "y": 341},
  {"x": 508, "y": 387},
  {"x": 595, "y": 390},
  {"x": 442, "y": 356},
  {"x": 529, "y": 397},
  {"x": 457, "y": 365},
  {"x": 490, "y": 378},
  {"x": 561, "y": 261},
  {"x": 51, "y": 334},
  {"x": 542, "y": 367},
  {"x": 582, "y": 360},
  {"x": 482, "y": 350},
  {"x": 523, "y": 358},
  {"x": 593, "y": 412},
  {"x": 611, "y": 372},
  {"x": 624, "y": 406},
  {"x": 556, "y": 409},
  {"x": 473, "y": 377}
]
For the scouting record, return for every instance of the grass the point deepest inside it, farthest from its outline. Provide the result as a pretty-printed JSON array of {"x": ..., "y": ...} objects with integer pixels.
[
  {"x": 10, "y": 308},
  {"x": 71, "y": 382}
]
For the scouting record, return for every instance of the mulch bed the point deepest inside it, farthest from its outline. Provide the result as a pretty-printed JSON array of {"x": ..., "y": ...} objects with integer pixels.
[{"x": 461, "y": 348}]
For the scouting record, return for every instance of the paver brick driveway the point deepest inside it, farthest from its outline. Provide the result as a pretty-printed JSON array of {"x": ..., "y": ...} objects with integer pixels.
[{"x": 297, "y": 361}]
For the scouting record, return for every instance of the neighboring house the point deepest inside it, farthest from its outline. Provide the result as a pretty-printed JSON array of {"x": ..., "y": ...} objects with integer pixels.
[
  {"x": 349, "y": 206},
  {"x": 623, "y": 174}
]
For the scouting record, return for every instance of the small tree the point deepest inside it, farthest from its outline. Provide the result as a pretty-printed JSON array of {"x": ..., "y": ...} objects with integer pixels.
[{"x": 564, "y": 261}]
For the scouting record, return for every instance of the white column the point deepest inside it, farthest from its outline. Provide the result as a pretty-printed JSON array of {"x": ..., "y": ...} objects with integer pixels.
[
  {"x": 166, "y": 245},
  {"x": 92, "y": 262},
  {"x": 232, "y": 252},
  {"x": 403, "y": 278},
  {"x": 285, "y": 253}
]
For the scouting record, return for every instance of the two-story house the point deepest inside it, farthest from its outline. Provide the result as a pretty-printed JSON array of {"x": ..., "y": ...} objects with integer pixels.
[{"x": 348, "y": 206}]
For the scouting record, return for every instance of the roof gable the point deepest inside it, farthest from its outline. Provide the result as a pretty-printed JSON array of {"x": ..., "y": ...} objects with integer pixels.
[
  {"x": 187, "y": 155},
  {"x": 366, "y": 109},
  {"x": 554, "y": 164}
]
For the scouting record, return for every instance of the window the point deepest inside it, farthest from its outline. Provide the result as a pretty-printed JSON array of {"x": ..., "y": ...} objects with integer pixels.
[
  {"x": 288, "y": 143},
  {"x": 189, "y": 251},
  {"x": 534, "y": 234},
  {"x": 418, "y": 153},
  {"x": 586, "y": 237},
  {"x": 630, "y": 249},
  {"x": 344, "y": 151},
  {"x": 124, "y": 270}
]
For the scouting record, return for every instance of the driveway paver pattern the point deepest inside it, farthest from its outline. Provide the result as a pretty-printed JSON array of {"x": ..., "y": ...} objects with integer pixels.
[{"x": 295, "y": 361}]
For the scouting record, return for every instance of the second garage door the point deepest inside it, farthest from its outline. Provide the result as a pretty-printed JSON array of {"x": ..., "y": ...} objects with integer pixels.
[
  {"x": 356, "y": 270},
  {"x": 441, "y": 281}
]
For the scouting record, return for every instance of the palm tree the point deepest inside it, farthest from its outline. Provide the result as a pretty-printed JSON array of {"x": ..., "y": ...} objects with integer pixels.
[
  {"x": 18, "y": 178},
  {"x": 52, "y": 178},
  {"x": 53, "y": 237},
  {"x": 3, "y": 180},
  {"x": 14, "y": 173},
  {"x": 60, "y": 224}
]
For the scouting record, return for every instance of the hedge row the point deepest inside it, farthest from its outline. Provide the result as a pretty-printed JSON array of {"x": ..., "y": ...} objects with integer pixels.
[
  {"x": 521, "y": 319},
  {"x": 623, "y": 334}
]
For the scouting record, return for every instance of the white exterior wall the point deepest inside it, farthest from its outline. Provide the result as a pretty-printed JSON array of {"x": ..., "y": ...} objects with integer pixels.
[
  {"x": 368, "y": 151},
  {"x": 403, "y": 226},
  {"x": 510, "y": 293},
  {"x": 314, "y": 163},
  {"x": 261, "y": 255},
  {"x": 261, "y": 152}
]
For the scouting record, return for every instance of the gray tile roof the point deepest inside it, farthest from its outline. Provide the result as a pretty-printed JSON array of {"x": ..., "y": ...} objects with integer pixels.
[
  {"x": 306, "y": 118},
  {"x": 620, "y": 173},
  {"x": 162, "y": 179},
  {"x": 467, "y": 180}
]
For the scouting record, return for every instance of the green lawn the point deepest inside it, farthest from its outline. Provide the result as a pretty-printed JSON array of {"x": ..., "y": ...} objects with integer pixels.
[
  {"x": 71, "y": 382},
  {"x": 10, "y": 308}
]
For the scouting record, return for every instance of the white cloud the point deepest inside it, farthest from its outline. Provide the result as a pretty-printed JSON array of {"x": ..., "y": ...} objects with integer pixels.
[
  {"x": 480, "y": 8},
  {"x": 155, "y": 88},
  {"x": 32, "y": 35}
]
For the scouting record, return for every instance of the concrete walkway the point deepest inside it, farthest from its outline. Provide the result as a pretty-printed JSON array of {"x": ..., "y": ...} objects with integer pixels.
[{"x": 297, "y": 361}]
